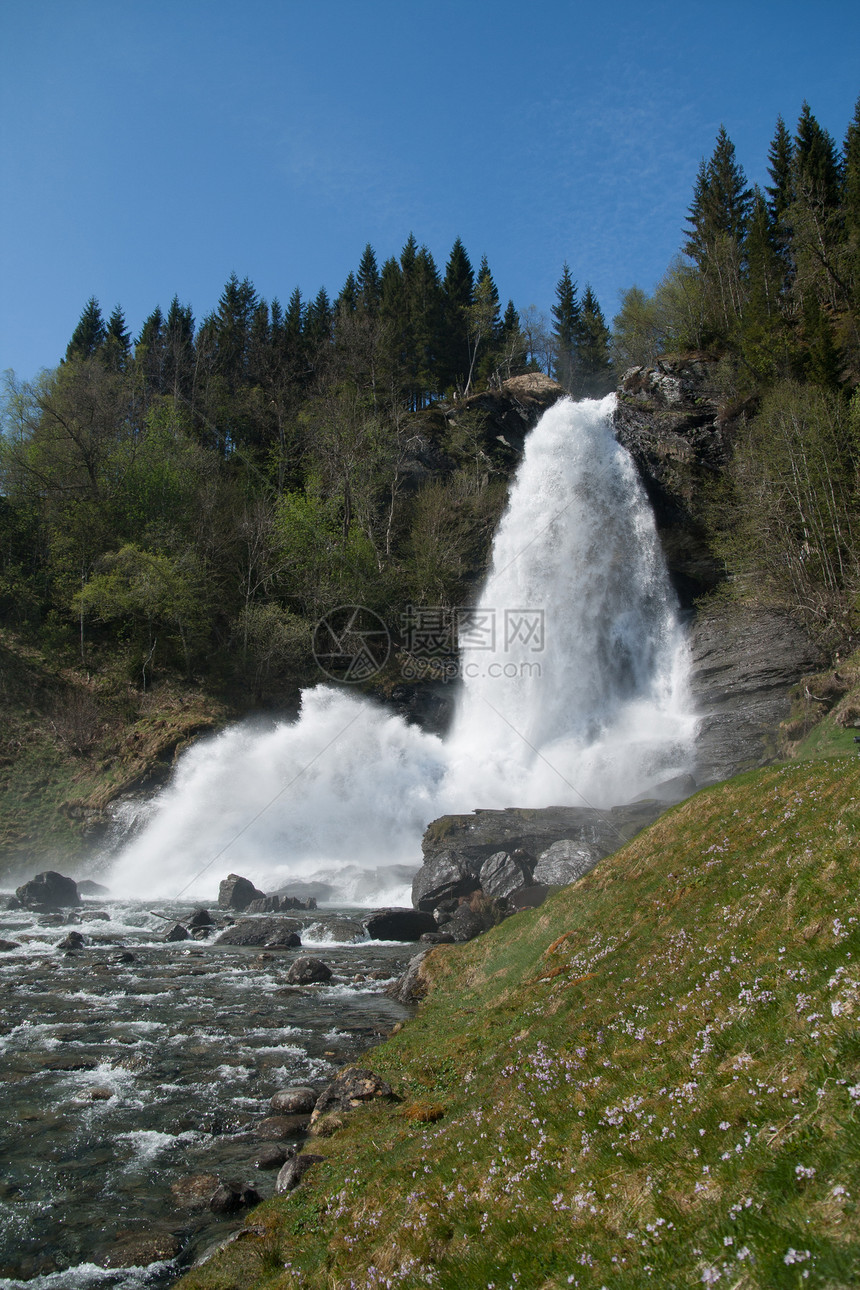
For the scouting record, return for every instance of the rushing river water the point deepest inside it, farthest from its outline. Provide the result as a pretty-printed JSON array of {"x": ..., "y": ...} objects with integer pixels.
[{"x": 120, "y": 1078}]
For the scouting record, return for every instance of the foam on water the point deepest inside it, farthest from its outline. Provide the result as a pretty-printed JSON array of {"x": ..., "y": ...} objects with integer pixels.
[{"x": 589, "y": 707}]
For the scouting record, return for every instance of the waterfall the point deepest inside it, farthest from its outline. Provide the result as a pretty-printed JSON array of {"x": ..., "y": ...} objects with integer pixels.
[{"x": 574, "y": 692}]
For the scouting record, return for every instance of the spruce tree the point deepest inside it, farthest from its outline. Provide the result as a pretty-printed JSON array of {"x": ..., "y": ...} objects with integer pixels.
[
  {"x": 458, "y": 288},
  {"x": 367, "y": 281},
  {"x": 817, "y": 178},
  {"x": 117, "y": 344},
  {"x": 780, "y": 168},
  {"x": 566, "y": 332},
  {"x": 595, "y": 365},
  {"x": 149, "y": 350},
  {"x": 90, "y": 333}
]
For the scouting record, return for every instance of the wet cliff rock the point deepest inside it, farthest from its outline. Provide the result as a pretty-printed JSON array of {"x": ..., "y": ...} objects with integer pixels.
[{"x": 678, "y": 425}]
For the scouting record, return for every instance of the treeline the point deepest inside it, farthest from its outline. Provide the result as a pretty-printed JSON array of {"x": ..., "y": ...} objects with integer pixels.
[
  {"x": 769, "y": 281},
  {"x": 194, "y": 499}
]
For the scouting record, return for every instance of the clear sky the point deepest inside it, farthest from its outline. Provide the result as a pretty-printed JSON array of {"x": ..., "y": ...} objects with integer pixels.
[{"x": 150, "y": 148}]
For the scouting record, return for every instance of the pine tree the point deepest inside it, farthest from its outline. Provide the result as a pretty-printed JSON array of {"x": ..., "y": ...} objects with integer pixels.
[
  {"x": 458, "y": 287},
  {"x": 367, "y": 281},
  {"x": 179, "y": 348},
  {"x": 721, "y": 202},
  {"x": 116, "y": 350},
  {"x": 780, "y": 168},
  {"x": 595, "y": 365},
  {"x": 817, "y": 178},
  {"x": 347, "y": 300},
  {"x": 90, "y": 333},
  {"x": 765, "y": 342},
  {"x": 566, "y": 333},
  {"x": 149, "y": 350},
  {"x": 851, "y": 218}
]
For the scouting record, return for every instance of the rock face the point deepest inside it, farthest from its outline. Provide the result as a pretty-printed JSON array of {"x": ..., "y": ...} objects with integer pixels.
[
  {"x": 49, "y": 890},
  {"x": 497, "y": 851},
  {"x": 676, "y": 425},
  {"x": 679, "y": 428},
  {"x": 744, "y": 666}
]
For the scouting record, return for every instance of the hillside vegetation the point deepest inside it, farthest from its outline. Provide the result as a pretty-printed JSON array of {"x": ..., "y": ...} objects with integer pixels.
[{"x": 654, "y": 1079}]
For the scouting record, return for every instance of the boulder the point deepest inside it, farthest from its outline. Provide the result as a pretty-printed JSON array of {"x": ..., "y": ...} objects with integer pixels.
[
  {"x": 529, "y": 897},
  {"x": 49, "y": 890},
  {"x": 194, "y": 1191},
  {"x": 411, "y": 986},
  {"x": 237, "y": 893},
  {"x": 564, "y": 862},
  {"x": 277, "y": 1127},
  {"x": 352, "y": 1087},
  {"x": 307, "y": 970},
  {"x": 201, "y": 918},
  {"x": 230, "y": 1196},
  {"x": 398, "y": 924},
  {"x": 86, "y": 887},
  {"x": 176, "y": 932},
  {"x": 270, "y": 933},
  {"x": 502, "y": 874},
  {"x": 294, "y": 1170},
  {"x": 74, "y": 941},
  {"x": 335, "y": 929},
  {"x": 298, "y": 1099},
  {"x": 95, "y": 916},
  {"x": 267, "y": 905},
  {"x": 273, "y": 1155},
  {"x": 5, "y": 946},
  {"x": 443, "y": 876},
  {"x": 465, "y": 925}
]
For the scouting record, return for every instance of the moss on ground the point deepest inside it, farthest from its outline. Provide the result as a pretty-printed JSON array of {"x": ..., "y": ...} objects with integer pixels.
[{"x": 654, "y": 1079}]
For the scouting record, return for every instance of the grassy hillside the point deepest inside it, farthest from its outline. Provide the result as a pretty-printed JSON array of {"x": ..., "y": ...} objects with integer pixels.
[{"x": 652, "y": 1080}]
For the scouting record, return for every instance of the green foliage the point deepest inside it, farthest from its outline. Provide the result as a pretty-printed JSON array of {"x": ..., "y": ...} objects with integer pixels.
[{"x": 788, "y": 525}]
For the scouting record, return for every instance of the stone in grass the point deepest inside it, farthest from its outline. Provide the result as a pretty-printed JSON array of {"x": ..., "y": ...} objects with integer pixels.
[
  {"x": 294, "y": 1170},
  {"x": 298, "y": 1099},
  {"x": 308, "y": 971},
  {"x": 230, "y": 1196},
  {"x": 351, "y": 1088}
]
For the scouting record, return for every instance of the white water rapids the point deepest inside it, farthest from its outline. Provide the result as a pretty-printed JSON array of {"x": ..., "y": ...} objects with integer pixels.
[{"x": 574, "y": 693}]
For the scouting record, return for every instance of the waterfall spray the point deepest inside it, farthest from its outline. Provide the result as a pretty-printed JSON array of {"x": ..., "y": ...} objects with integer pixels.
[{"x": 574, "y": 693}]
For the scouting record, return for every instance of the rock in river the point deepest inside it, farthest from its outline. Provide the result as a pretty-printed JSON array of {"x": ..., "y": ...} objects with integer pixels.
[
  {"x": 49, "y": 890},
  {"x": 308, "y": 971}
]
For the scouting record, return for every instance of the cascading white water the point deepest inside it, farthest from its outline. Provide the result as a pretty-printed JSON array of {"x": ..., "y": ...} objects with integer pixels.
[{"x": 574, "y": 693}]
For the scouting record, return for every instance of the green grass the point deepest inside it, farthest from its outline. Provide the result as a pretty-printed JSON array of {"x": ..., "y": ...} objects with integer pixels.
[
  {"x": 652, "y": 1080},
  {"x": 828, "y": 739}
]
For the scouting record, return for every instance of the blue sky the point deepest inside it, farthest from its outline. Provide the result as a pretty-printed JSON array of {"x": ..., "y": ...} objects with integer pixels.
[{"x": 151, "y": 149}]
